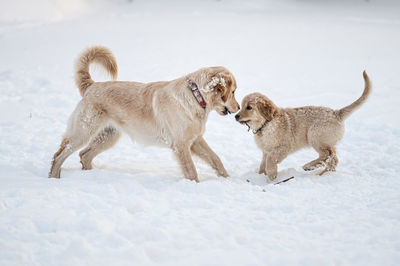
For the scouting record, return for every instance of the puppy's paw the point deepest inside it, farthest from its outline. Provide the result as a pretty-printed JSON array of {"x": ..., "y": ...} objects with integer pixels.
[
  {"x": 308, "y": 167},
  {"x": 327, "y": 169},
  {"x": 272, "y": 175},
  {"x": 262, "y": 171},
  {"x": 311, "y": 166}
]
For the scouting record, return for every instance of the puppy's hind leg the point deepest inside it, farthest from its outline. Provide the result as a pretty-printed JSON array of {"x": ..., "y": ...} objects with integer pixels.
[
  {"x": 331, "y": 161},
  {"x": 327, "y": 157},
  {"x": 82, "y": 124},
  {"x": 323, "y": 149},
  {"x": 319, "y": 162},
  {"x": 104, "y": 140}
]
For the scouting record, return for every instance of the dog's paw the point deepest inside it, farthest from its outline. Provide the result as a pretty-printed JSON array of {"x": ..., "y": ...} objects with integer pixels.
[
  {"x": 223, "y": 173},
  {"x": 53, "y": 174},
  {"x": 86, "y": 165}
]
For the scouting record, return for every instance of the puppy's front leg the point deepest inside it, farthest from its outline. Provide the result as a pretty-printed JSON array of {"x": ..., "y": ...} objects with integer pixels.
[
  {"x": 185, "y": 160},
  {"x": 273, "y": 159},
  {"x": 261, "y": 170},
  {"x": 201, "y": 149},
  {"x": 272, "y": 169}
]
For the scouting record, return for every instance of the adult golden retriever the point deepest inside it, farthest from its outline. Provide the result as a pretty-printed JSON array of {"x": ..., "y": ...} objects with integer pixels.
[
  {"x": 279, "y": 132},
  {"x": 166, "y": 113}
]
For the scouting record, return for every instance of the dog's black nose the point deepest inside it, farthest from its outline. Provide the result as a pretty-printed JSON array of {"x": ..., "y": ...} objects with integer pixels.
[{"x": 237, "y": 116}]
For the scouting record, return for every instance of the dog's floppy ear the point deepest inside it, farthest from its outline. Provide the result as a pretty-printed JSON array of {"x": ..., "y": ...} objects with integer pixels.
[
  {"x": 267, "y": 108},
  {"x": 224, "y": 85}
]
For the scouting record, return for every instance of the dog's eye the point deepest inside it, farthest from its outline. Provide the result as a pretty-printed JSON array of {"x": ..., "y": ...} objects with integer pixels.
[{"x": 248, "y": 107}]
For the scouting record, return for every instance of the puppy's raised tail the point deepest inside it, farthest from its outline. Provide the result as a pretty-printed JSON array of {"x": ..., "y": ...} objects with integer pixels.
[
  {"x": 346, "y": 111},
  {"x": 95, "y": 54}
]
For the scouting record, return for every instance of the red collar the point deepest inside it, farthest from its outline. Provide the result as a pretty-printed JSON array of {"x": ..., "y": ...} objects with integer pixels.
[{"x": 195, "y": 90}]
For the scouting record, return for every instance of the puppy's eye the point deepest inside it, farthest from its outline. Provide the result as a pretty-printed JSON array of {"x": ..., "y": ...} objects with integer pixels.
[{"x": 249, "y": 107}]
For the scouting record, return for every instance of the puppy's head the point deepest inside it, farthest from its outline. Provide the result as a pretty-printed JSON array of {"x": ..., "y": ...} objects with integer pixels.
[
  {"x": 221, "y": 86},
  {"x": 257, "y": 110}
]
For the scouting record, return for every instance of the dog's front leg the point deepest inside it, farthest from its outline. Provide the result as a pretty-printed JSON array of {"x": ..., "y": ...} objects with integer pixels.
[
  {"x": 184, "y": 157},
  {"x": 263, "y": 164},
  {"x": 202, "y": 150}
]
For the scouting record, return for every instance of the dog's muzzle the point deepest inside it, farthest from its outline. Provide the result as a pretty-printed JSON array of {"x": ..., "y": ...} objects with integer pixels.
[{"x": 226, "y": 111}]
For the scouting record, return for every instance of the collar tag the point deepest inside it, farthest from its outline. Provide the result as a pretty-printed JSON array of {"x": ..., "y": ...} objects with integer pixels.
[{"x": 195, "y": 90}]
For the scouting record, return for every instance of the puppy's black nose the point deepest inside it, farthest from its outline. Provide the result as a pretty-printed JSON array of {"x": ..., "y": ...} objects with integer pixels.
[{"x": 237, "y": 116}]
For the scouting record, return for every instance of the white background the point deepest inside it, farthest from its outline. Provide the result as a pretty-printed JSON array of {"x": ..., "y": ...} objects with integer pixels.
[{"x": 135, "y": 208}]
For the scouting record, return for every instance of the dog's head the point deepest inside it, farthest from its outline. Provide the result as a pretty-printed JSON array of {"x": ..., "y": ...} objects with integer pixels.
[
  {"x": 220, "y": 85},
  {"x": 257, "y": 110}
]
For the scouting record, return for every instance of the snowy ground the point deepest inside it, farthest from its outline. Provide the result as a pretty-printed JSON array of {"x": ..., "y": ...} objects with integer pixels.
[{"x": 135, "y": 208}]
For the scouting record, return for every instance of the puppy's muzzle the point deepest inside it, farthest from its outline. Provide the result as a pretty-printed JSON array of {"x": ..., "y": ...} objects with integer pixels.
[{"x": 237, "y": 117}]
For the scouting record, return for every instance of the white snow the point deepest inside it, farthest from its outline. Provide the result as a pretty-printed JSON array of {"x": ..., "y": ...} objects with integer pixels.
[{"x": 135, "y": 208}]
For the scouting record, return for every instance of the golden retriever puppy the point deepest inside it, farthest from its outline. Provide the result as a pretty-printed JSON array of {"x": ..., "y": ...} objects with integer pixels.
[
  {"x": 279, "y": 132},
  {"x": 165, "y": 113}
]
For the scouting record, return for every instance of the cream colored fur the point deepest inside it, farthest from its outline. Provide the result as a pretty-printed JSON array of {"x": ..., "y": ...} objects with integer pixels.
[
  {"x": 163, "y": 113},
  {"x": 282, "y": 131}
]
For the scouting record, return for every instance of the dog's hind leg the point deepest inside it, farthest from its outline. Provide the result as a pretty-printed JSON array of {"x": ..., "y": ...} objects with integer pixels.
[
  {"x": 104, "y": 140},
  {"x": 204, "y": 152},
  {"x": 83, "y": 124}
]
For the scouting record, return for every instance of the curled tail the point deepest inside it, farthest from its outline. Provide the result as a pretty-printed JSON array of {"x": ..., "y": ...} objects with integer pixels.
[
  {"x": 346, "y": 111},
  {"x": 96, "y": 54}
]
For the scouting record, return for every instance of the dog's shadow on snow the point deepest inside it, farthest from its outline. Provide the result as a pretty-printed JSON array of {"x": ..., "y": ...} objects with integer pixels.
[
  {"x": 146, "y": 173},
  {"x": 261, "y": 180}
]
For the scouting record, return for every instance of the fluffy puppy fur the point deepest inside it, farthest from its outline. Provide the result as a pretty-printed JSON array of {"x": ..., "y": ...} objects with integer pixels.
[
  {"x": 163, "y": 113},
  {"x": 279, "y": 132}
]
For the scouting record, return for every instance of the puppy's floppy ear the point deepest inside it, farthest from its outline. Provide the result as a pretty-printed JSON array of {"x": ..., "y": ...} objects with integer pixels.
[
  {"x": 267, "y": 108},
  {"x": 225, "y": 85}
]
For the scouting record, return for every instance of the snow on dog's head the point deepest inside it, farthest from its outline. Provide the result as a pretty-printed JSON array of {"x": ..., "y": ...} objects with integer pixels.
[
  {"x": 219, "y": 86},
  {"x": 214, "y": 82}
]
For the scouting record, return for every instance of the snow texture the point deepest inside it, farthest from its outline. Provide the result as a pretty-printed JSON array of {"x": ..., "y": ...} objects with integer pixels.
[{"x": 134, "y": 207}]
